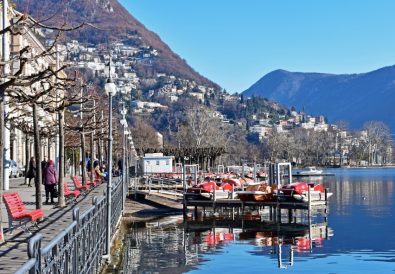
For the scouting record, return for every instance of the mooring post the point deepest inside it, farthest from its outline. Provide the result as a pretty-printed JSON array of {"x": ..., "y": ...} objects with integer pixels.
[
  {"x": 326, "y": 206},
  {"x": 149, "y": 185},
  {"x": 195, "y": 174},
  {"x": 326, "y": 198},
  {"x": 233, "y": 192},
  {"x": 279, "y": 213},
  {"x": 214, "y": 199},
  {"x": 254, "y": 174},
  {"x": 271, "y": 213},
  {"x": 290, "y": 215},
  {"x": 184, "y": 190}
]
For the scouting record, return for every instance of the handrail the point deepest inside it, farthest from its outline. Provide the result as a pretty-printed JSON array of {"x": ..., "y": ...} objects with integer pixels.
[{"x": 78, "y": 248}]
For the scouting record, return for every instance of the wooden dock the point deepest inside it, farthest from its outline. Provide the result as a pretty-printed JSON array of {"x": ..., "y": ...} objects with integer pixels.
[
  {"x": 164, "y": 190},
  {"x": 234, "y": 203}
]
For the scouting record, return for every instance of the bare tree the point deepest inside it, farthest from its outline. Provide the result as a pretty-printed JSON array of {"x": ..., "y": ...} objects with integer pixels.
[
  {"x": 144, "y": 136},
  {"x": 33, "y": 75},
  {"x": 378, "y": 138}
]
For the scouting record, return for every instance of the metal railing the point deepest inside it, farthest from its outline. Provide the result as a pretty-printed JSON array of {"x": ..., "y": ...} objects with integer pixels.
[{"x": 80, "y": 247}]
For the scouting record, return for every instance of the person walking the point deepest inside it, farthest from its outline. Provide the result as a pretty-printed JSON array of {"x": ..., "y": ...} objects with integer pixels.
[
  {"x": 50, "y": 181},
  {"x": 31, "y": 172},
  {"x": 120, "y": 167},
  {"x": 43, "y": 166}
]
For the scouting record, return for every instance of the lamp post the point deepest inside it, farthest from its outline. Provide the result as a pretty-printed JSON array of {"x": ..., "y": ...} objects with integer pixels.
[
  {"x": 6, "y": 70},
  {"x": 110, "y": 90},
  {"x": 124, "y": 124},
  {"x": 125, "y": 167}
]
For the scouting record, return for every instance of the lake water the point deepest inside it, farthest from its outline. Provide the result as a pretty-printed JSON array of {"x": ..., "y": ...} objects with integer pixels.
[{"x": 357, "y": 237}]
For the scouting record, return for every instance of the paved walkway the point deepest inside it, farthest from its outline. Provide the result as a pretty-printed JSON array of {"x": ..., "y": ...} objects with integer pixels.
[{"x": 13, "y": 253}]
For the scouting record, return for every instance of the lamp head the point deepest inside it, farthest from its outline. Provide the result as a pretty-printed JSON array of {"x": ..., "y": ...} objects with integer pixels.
[{"x": 110, "y": 88}]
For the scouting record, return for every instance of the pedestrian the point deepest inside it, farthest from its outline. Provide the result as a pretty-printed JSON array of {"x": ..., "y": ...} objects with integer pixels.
[
  {"x": 50, "y": 181},
  {"x": 43, "y": 166},
  {"x": 68, "y": 166},
  {"x": 99, "y": 175},
  {"x": 89, "y": 167},
  {"x": 31, "y": 172},
  {"x": 120, "y": 167}
]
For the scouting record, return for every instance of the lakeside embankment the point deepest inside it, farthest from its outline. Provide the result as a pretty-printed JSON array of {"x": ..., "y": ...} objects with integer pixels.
[{"x": 147, "y": 207}]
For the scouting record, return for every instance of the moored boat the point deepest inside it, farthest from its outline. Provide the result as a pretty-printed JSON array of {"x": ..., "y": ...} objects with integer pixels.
[
  {"x": 207, "y": 188},
  {"x": 302, "y": 191},
  {"x": 257, "y": 193},
  {"x": 310, "y": 171}
]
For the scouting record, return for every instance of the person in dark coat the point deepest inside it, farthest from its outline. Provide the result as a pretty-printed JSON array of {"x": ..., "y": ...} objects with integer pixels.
[
  {"x": 50, "y": 180},
  {"x": 43, "y": 166},
  {"x": 31, "y": 172},
  {"x": 120, "y": 166}
]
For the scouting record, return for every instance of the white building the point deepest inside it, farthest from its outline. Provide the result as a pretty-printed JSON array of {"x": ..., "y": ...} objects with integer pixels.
[{"x": 157, "y": 163}]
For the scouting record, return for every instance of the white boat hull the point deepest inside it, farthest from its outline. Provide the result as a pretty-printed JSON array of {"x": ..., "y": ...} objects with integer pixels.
[{"x": 314, "y": 195}]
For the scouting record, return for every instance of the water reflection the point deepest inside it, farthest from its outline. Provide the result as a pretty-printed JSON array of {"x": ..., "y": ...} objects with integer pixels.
[
  {"x": 171, "y": 245},
  {"x": 373, "y": 189},
  {"x": 360, "y": 212}
]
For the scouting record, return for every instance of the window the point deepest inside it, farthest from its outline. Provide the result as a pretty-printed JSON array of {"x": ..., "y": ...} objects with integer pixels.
[
  {"x": 167, "y": 162},
  {"x": 157, "y": 163}
]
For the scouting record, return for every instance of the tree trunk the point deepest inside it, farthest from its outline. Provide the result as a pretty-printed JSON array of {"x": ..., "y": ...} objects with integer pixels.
[
  {"x": 27, "y": 156},
  {"x": 49, "y": 150},
  {"x": 1, "y": 165},
  {"x": 92, "y": 154},
  {"x": 61, "y": 199},
  {"x": 99, "y": 150},
  {"x": 74, "y": 162},
  {"x": 37, "y": 154},
  {"x": 83, "y": 170}
]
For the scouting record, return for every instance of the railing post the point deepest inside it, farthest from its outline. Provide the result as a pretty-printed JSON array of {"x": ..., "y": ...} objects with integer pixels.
[
  {"x": 76, "y": 217},
  {"x": 34, "y": 251}
]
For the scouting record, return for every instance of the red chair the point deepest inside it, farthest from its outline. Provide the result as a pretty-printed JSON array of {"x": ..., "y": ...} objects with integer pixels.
[
  {"x": 88, "y": 182},
  {"x": 78, "y": 184},
  {"x": 71, "y": 195},
  {"x": 17, "y": 212}
]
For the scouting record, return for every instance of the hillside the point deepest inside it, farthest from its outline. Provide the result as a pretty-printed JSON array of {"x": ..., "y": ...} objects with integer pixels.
[
  {"x": 114, "y": 23},
  {"x": 355, "y": 98}
]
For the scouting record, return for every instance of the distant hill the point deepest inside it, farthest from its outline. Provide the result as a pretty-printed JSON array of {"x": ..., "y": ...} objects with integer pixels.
[
  {"x": 115, "y": 23},
  {"x": 355, "y": 98}
]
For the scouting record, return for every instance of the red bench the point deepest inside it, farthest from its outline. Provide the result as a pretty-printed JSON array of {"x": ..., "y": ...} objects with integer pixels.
[
  {"x": 71, "y": 194},
  {"x": 88, "y": 182},
  {"x": 78, "y": 184},
  {"x": 17, "y": 212}
]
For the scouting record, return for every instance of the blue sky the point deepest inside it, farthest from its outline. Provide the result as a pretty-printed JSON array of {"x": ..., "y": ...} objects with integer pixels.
[{"x": 236, "y": 42}]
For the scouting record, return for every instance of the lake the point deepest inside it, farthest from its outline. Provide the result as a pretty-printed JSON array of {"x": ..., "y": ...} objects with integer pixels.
[{"x": 357, "y": 237}]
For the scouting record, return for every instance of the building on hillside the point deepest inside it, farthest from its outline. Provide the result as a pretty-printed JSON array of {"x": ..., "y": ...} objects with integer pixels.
[{"x": 262, "y": 131}]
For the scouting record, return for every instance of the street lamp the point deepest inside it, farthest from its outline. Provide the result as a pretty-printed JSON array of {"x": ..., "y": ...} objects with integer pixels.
[{"x": 110, "y": 90}]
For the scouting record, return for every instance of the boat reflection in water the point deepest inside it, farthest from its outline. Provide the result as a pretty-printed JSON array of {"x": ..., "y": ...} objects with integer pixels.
[{"x": 171, "y": 245}]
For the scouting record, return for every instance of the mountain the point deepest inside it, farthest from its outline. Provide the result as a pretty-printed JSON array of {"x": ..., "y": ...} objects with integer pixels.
[
  {"x": 355, "y": 98},
  {"x": 113, "y": 23}
]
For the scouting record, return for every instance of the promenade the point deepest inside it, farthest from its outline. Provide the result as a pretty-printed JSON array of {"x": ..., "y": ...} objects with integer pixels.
[{"x": 13, "y": 253}]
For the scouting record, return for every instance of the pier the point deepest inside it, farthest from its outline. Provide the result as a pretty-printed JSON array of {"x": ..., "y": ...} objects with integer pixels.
[{"x": 166, "y": 188}]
